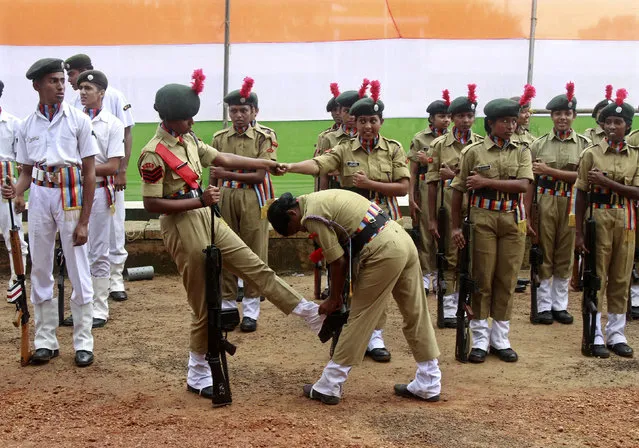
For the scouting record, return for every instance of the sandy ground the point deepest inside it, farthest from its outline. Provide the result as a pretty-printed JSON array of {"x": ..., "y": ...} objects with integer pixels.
[{"x": 134, "y": 394}]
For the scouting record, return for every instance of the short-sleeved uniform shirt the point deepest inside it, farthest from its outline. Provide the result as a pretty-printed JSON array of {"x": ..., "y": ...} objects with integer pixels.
[
  {"x": 343, "y": 207},
  {"x": 489, "y": 160},
  {"x": 9, "y": 127},
  {"x": 254, "y": 143},
  {"x": 330, "y": 140},
  {"x": 109, "y": 132},
  {"x": 633, "y": 138},
  {"x": 115, "y": 102},
  {"x": 447, "y": 149},
  {"x": 321, "y": 135},
  {"x": 64, "y": 141},
  {"x": 596, "y": 134},
  {"x": 523, "y": 135},
  {"x": 557, "y": 153},
  {"x": 420, "y": 142},
  {"x": 622, "y": 167},
  {"x": 158, "y": 179}
]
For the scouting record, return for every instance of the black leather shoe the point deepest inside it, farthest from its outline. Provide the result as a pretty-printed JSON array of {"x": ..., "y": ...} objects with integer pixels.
[
  {"x": 248, "y": 325},
  {"x": 634, "y": 312},
  {"x": 83, "y": 358},
  {"x": 118, "y": 296},
  {"x": 520, "y": 288},
  {"x": 450, "y": 322},
  {"x": 311, "y": 393},
  {"x": 621, "y": 349},
  {"x": 598, "y": 351},
  {"x": 98, "y": 323},
  {"x": 506, "y": 354},
  {"x": 523, "y": 282},
  {"x": 379, "y": 354},
  {"x": 205, "y": 392},
  {"x": 477, "y": 356},
  {"x": 543, "y": 318},
  {"x": 402, "y": 391},
  {"x": 44, "y": 355},
  {"x": 68, "y": 322},
  {"x": 427, "y": 291},
  {"x": 563, "y": 317}
]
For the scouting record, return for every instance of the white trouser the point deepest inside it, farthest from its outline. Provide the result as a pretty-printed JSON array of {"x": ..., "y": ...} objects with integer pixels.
[
  {"x": 427, "y": 382},
  {"x": 560, "y": 293},
  {"x": 599, "y": 339},
  {"x": 117, "y": 252},
  {"x": 82, "y": 324},
  {"x": 483, "y": 336},
  {"x": 332, "y": 379},
  {"x": 634, "y": 295},
  {"x": 45, "y": 217},
  {"x": 5, "y": 226},
  {"x": 450, "y": 305},
  {"x": 309, "y": 312},
  {"x": 615, "y": 328},
  {"x": 199, "y": 374},
  {"x": 46, "y": 322},
  {"x": 376, "y": 341},
  {"x": 251, "y": 307},
  {"x": 544, "y": 295},
  {"x": 426, "y": 279},
  {"x": 499, "y": 334},
  {"x": 100, "y": 297},
  {"x": 480, "y": 332},
  {"x": 99, "y": 235}
]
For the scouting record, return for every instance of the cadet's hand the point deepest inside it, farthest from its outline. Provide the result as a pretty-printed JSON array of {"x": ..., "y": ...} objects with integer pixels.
[
  {"x": 476, "y": 182},
  {"x": 8, "y": 191},
  {"x": 360, "y": 180},
  {"x": 433, "y": 228},
  {"x": 597, "y": 177},
  {"x": 580, "y": 245},
  {"x": 281, "y": 169},
  {"x": 120, "y": 180},
  {"x": 531, "y": 231},
  {"x": 19, "y": 204},
  {"x": 423, "y": 158},
  {"x": 211, "y": 195},
  {"x": 80, "y": 234},
  {"x": 414, "y": 209},
  {"x": 330, "y": 305},
  {"x": 218, "y": 172},
  {"x": 539, "y": 167},
  {"x": 458, "y": 238},
  {"x": 445, "y": 172}
]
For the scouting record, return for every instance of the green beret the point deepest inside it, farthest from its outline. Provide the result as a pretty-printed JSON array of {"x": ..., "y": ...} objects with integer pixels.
[
  {"x": 625, "y": 111},
  {"x": 560, "y": 102},
  {"x": 437, "y": 107},
  {"x": 600, "y": 105},
  {"x": 332, "y": 104},
  {"x": 77, "y": 62},
  {"x": 95, "y": 77},
  {"x": 44, "y": 67},
  {"x": 235, "y": 99},
  {"x": 501, "y": 107},
  {"x": 176, "y": 102},
  {"x": 461, "y": 105},
  {"x": 348, "y": 98},
  {"x": 366, "y": 106}
]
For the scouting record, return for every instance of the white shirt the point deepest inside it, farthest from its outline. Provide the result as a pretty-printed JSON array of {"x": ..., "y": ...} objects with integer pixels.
[
  {"x": 115, "y": 102},
  {"x": 109, "y": 132},
  {"x": 64, "y": 141},
  {"x": 9, "y": 126}
]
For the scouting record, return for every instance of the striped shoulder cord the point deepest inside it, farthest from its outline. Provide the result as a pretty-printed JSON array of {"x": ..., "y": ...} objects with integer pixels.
[{"x": 345, "y": 236}]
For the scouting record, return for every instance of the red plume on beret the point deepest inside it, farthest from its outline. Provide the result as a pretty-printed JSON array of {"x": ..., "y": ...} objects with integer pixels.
[
  {"x": 529, "y": 94},
  {"x": 198, "y": 78},
  {"x": 362, "y": 90},
  {"x": 609, "y": 92},
  {"x": 472, "y": 96},
  {"x": 375, "y": 88},
  {"x": 622, "y": 94},
  {"x": 245, "y": 91},
  {"x": 334, "y": 89},
  {"x": 446, "y": 97},
  {"x": 570, "y": 90}
]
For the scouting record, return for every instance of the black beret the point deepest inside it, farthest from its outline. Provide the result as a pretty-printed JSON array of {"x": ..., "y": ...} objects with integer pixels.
[
  {"x": 560, "y": 102},
  {"x": 437, "y": 107},
  {"x": 95, "y": 77},
  {"x": 347, "y": 98},
  {"x": 44, "y": 67},
  {"x": 1, "y": 87},
  {"x": 332, "y": 104},
  {"x": 235, "y": 99},
  {"x": 366, "y": 106},
  {"x": 501, "y": 107},
  {"x": 625, "y": 111},
  {"x": 277, "y": 215},
  {"x": 600, "y": 105},
  {"x": 461, "y": 105},
  {"x": 177, "y": 102},
  {"x": 78, "y": 61}
]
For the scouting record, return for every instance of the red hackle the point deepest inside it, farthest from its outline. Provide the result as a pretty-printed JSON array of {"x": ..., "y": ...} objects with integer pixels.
[
  {"x": 375, "y": 88},
  {"x": 446, "y": 97},
  {"x": 362, "y": 90},
  {"x": 609, "y": 92},
  {"x": 622, "y": 94},
  {"x": 529, "y": 94},
  {"x": 247, "y": 86},
  {"x": 472, "y": 95},
  {"x": 317, "y": 255},
  {"x": 334, "y": 89},
  {"x": 570, "y": 90},
  {"x": 198, "y": 78}
]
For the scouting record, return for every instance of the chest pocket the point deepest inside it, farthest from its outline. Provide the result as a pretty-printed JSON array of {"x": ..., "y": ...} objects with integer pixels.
[
  {"x": 385, "y": 171},
  {"x": 511, "y": 170}
]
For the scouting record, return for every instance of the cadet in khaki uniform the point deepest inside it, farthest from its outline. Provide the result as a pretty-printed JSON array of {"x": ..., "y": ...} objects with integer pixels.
[
  {"x": 371, "y": 165},
  {"x": 610, "y": 171},
  {"x": 555, "y": 159},
  {"x": 419, "y": 154},
  {"x": 495, "y": 172},
  {"x": 388, "y": 264},
  {"x": 522, "y": 133},
  {"x": 244, "y": 193},
  {"x": 335, "y": 110},
  {"x": 185, "y": 222},
  {"x": 445, "y": 154},
  {"x": 596, "y": 134}
]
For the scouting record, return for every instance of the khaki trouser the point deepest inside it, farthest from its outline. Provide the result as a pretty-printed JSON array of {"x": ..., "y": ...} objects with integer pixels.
[
  {"x": 428, "y": 249},
  {"x": 498, "y": 248},
  {"x": 241, "y": 210},
  {"x": 389, "y": 264},
  {"x": 557, "y": 240},
  {"x": 615, "y": 253},
  {"x": 452, "y": 253},
  {"x": 186, "y": 235}
]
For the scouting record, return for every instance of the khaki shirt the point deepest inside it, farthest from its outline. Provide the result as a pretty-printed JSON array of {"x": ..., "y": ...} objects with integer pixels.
[
  {"x": 595, "y": 135},
  {"x": 322, "y": 134},
  {"x": 523, "y": 135},
  {"x": 559, "y": 154},
  {"x": 621, "y": 167},
  {"x": 158, "y": 179},
  {"x": 330, "y": 140},
  {"x": 421, "y": 142},
  {"x": 633, "y": 138},
  {"x": 254, "y": 143},
  {"x": 511, "y": 162},
  {"x": 386, "y": 162},
  {"x": 447, "y": 149},
  {"x": 343, "y": 207}
]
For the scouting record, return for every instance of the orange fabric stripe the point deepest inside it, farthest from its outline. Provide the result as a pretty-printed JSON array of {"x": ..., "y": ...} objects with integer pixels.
[{"x": 139, "y": 22}]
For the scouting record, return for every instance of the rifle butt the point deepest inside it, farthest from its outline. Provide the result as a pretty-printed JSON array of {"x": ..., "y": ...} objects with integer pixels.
[
  {"x": 25, "y": 350},
  {"x": 16, "y": 252}
]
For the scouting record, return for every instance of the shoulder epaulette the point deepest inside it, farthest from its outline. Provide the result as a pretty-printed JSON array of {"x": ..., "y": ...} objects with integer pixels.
[
  {"x": 390, "y": 140},
  {"x": 222, "y": 131},
  {"x": 472, "y": 145},
  {"x": 584, "y": 138}
]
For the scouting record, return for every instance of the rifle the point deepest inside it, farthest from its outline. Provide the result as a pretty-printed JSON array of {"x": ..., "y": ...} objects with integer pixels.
[
  {"x": 467, "y": 287},
  {"x": 592, "y": 283},
  {"x": 316, "y": 259},
  {"x": 218, "y": 345},
  {"x": 442, "y": 263},
  {"x": 332, "y": 326},
  {"x": 20, "y": 293},
  {"x": 536, "y": 256},
  {"x": 62, "y": 264}
]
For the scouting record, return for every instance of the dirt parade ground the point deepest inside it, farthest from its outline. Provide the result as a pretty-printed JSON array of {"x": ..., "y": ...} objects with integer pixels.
[{"x": 135, "y": 392}]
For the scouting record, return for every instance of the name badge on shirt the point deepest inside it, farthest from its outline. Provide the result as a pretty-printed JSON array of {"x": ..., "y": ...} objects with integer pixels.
[
  {"x": 33, "y": 139},
  {"x": 352, "y": 164},
  {"x": 480, "y": 168}
]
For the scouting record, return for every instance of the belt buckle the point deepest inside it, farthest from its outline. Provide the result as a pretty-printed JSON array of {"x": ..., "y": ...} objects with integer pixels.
[{"x": 53, "y": 178}]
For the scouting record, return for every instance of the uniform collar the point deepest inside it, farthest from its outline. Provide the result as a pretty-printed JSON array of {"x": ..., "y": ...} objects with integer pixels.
[
  {"x": 490, "y": 144},
  {"x": 381, "y": 144},
  {"x": 608, "y": 148},
  {"x": 451, "y": 140},
  {"x": 599, "y": 130},
  {"x": 250, "y": 132},
  {"x": 571, "y": 136},
  {"x": 436, "y": 132},
  {"x": 166, "y": 136}
]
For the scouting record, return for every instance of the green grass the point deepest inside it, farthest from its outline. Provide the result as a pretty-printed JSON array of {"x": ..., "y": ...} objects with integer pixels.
[{"x": 297, "y": 139}]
